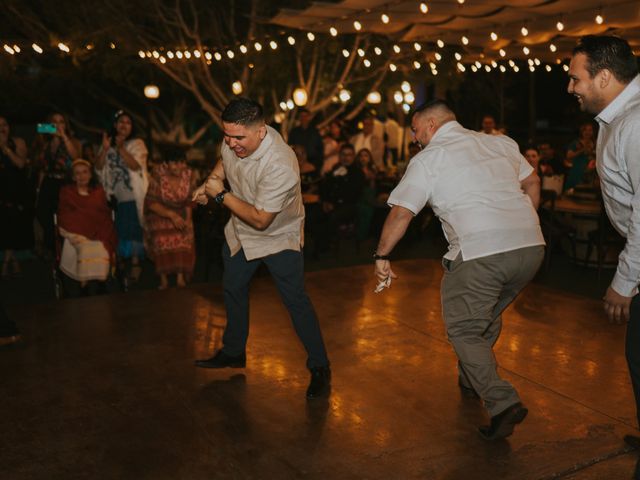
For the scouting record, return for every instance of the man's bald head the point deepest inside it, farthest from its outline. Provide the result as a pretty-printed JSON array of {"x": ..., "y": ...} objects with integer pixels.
[
  {"x": 428, "y": 118},
  {"x": 439, "y": 110}
]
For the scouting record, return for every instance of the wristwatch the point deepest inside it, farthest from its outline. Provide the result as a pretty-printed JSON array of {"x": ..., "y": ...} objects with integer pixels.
[
  {"x": 219, "y": 198},
  {"x": 381, "y": 257}
]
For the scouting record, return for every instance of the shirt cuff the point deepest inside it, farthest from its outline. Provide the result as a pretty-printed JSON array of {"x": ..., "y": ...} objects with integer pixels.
[{"x": 623, "y": 286}]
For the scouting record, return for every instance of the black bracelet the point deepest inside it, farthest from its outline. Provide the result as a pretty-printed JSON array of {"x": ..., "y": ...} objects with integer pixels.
[{"x": 381, "y": 257}]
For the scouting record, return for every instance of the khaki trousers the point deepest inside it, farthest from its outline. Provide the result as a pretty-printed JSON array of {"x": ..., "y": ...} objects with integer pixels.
[{"x": 474, "y": 295}]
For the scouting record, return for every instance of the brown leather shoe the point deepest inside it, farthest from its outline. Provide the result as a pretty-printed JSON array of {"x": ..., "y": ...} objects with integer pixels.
[{"x": 502, "y": 425}]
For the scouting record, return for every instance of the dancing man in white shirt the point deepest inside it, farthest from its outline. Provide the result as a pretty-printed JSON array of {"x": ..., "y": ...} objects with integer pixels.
[
  {"x": 603, "y": 76},
  {"x": 485, "y": 194}
]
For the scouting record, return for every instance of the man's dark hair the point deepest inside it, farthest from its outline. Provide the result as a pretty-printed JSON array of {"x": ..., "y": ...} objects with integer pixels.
[
  {"x": 243, "y": 111},
  {"x": 347, "y": 146},
  {"x": 612, "y": 53}
]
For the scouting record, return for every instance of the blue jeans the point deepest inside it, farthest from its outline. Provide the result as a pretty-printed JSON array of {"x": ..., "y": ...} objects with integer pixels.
[{"x": 287, "y": 269}]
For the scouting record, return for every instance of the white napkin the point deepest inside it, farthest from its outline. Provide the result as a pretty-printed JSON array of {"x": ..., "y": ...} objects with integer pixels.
[{"x": 386, "y": 283}]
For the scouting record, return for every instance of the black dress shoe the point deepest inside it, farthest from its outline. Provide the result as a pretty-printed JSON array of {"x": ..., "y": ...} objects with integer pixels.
[
  {"x": 467, "y": 392},
  {"x": 320, "y": 382},
  {"x": 633, "y": 441},
  {"x": 222, "y": 360},
  {"x": 502, "y": 425}
]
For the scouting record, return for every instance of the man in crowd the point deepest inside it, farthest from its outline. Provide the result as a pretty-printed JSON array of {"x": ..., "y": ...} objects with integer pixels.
[
  {"x": 489, "y": 126},
  {"x": 369, "y": 140},
  {"x": 266, "y": 225},
  {"x": 308, "y": 136},
  {"x": 485, "y": 194},
  {"x": 603, "y": 76}
]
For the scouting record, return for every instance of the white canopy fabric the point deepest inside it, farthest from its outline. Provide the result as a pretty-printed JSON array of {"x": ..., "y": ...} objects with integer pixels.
[{"x": 449, "y": 21}]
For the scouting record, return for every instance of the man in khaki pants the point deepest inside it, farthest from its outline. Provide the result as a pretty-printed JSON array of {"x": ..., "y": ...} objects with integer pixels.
[{"x": 486, "y": 195}]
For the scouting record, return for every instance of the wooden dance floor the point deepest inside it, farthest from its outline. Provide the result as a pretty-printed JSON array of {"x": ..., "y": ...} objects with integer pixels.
[{"x": 105, "y": 388}]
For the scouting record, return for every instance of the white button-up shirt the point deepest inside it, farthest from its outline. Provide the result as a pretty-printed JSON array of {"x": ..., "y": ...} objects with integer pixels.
[
  {"x": 618, "y": 163},
  {"x": 268, "y": 179},
  {"x": 472, "y": 182}
]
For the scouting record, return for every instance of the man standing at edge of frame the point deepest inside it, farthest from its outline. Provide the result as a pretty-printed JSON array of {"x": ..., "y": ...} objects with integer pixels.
[{"x": 603, "y": 76}]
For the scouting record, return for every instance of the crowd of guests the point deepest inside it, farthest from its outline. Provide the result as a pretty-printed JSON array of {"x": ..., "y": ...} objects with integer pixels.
[
  {"x": 100, "y": 211},
  {"x": 99, "y": 215}
]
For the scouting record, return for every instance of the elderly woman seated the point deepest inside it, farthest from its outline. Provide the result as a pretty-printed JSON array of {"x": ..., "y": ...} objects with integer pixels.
[{"x": 85, "y": 222}]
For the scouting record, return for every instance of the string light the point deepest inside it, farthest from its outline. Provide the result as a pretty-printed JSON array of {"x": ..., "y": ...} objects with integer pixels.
[
  {"x": 461, "y": 67},
  {"x": 344, "y": 95},
  {"x": 207, "y": 55},
  {"x": 290, "y": 104},
  {"x": 432, "y": 66},
  {"x": 187, "y": 54},
  {"x": 257, "y": 46},
  {"x": 525, "y": 50},
  {"x": 503, "y": 68},
  {"x": 345, "y": 53},
  {"x": 311, "y": 36},
  {"x": 283, "y": 106},
  {"x": 111, "y": 45},
  {"x": 512, "y": 63},
  {"x": 458, "y": 56},
  {"x": 244, "y": 49},
  {"x": 599, "y": 19},
  {"x": 424, "y": 8},
  {"x": 179, "y": 55},
  {"x": 385, "y": 18},
  {"x": 494, "y": 64},
  {"x": 465, "y": 40},
  {"x": 398, "y": 97},
  {"x": 502, "y": 52},
  {"x": 487, "y": 68},
  {"x": 291, "y": 40},
  {"x": 440, "y": 43},
  {"x": 392, "y": 67},
  {"x": 409, "y": 98},
  {"x": 524, "y": 31},
  {"x": 63, "y": 47},
  {"x": 416, "y": 65},
  {"x": 361, "y": 52},
  {"x": 230, "y": 54},
  {"x": 516, "y": 68},
  {"x": 438, "y": 56},
  {"x": 494, "y": 36},
  {"x": 163, "y": 60},
  {"x": 377, "y": 51},
  {"x": 197, "y": 54},
  {"x": 273, "y": 45},
  {"x": 474, "y": 68},
  {"x": 565, "y": 68},
  {"x": 357, "y": 25},
  {"x": 417, "y": 46},
  {"x": 460, "y": 2},
  {"x": 560, "y": 25},
  {"x": 532, "y": 69},
  {"x": 16, "y": 48},
  {"x": 374, "y": 98},
  {"x": 140, "y": 53},
  {"x": 552, "y": 47},
  {"x": 333, "y": 31},
  {"x": 8, "y": 49},
  {"x": 217, "y": 55},
  {"x": 405, "y": 86},
  {"x": 434, "y": 71},
  {"x": 547, "y": 68},
  {"x": 38, "y": 49},
  {"x": 396, "y": 48},
  {"x": 367, "y": 63},
  {"x": 155, "y": 54},
  {"x": 477, "y": 64},
  {"x": 536, "y": 61}
]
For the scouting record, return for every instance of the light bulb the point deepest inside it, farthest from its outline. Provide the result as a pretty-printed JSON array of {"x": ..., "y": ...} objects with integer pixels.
[
  {"x": 524, "y": 31},
  {"x": 494, "y": 36},
  {"x": 385, "y": 18},
  {"x": 333, "y": 31},
  {"x": 599, "y": 19},
  {"x": 311, "y": 36},
  {"x": 424, "y": 8},
  {"x": 560, "y": 26},
  {"x": 465, "y": 40},
  {"x": 357, "y": 25}
]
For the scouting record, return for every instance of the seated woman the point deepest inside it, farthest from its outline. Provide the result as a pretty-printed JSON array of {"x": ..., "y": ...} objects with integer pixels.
[
  {"x": 168, "y": 220},
  {"x": 86, "y": 223}
]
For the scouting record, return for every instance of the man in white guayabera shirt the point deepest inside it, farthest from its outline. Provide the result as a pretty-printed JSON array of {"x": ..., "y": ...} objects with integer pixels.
[
  {"x": 485, "y": 194},
  {"x": 603, "y": 76},
  {"x": 266, "y": 226}
]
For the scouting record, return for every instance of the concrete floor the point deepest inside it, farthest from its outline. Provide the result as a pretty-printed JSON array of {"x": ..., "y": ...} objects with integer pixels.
[{"x": 105, "y": 387}]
